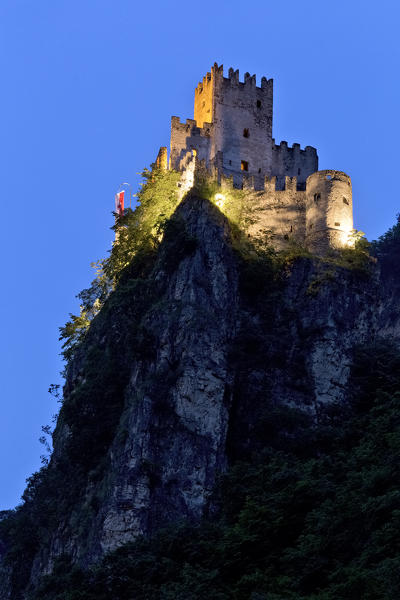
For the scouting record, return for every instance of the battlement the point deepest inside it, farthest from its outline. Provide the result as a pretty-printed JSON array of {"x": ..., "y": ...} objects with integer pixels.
[
  {"x": 293, "y": 161},
  {"x": 187, "y": 137},
  {"x": 190, "y": 127},
  {"x": 284, "y": 147},
  {"x": 248, "y": 80},
  {"x": 217, "y": 73},
  {"x": 247, "y": 182}
]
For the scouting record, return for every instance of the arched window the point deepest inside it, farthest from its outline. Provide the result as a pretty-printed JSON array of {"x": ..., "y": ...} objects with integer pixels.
[{"x": 246, "y": 133}]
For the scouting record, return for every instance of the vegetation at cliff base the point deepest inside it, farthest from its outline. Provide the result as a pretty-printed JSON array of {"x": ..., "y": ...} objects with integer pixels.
[{"x": 314, "y": 519}]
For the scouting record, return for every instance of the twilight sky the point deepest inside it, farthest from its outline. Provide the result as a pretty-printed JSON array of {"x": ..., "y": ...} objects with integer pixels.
[{"x": 89, "y": 87}]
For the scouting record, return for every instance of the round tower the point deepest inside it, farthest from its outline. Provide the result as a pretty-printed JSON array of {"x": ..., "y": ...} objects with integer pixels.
[{"x": 329, "y": 210}]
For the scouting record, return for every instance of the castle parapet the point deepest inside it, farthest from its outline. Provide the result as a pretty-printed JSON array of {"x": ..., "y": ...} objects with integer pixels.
[
  {"x": 188, "y": 136},
  {"x": 294, "y": 161}
]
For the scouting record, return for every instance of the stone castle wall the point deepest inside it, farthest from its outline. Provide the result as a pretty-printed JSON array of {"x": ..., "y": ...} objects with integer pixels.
[
  {"x": 231, "y": 135},
  {"x": 292, "y": 161},
  {"x": 319, "y": 217},
  {"x": 187, "y": 137}
]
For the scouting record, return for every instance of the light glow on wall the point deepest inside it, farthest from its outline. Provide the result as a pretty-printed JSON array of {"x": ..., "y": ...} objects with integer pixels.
[{"x": 219, "y": 200}]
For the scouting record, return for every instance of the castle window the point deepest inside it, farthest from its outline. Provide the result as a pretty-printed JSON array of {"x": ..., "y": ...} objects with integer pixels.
[
  {"x": 286, "y": 237},
  {"x": 246, "y": 133},
  {"x": 230, "y": 162},
  {"x": 310, "y": 225},
  {"x": 259, "y": 170},
  {"x": 298, "y": 171},
  {"x": 258, "y": 103},
  {"x": 244, "y": 165},
  {"x": 337, "y": 224},
  {"x": 345, "y": 201},
  {"x": 291, "y": 228},
  {"x": 317, "y": 197}
]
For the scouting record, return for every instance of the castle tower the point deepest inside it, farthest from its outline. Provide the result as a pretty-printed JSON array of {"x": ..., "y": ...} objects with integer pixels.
[
  {"x": 329, "y": 210},
  {"x": 232, "y": 130},
  {"x": 241, "y": 114}
]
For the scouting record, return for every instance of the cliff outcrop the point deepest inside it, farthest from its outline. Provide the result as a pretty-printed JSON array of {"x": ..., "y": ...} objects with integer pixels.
[{"x": 177, "y": 379}]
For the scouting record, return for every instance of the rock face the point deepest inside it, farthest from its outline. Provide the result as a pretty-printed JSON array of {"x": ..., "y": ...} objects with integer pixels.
[
  {"x": 177, "y": 409},
  {"x": 227, "y": 344}
]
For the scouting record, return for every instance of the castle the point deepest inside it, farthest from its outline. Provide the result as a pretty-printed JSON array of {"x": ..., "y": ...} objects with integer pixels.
[{"x": 231, "y": 138}]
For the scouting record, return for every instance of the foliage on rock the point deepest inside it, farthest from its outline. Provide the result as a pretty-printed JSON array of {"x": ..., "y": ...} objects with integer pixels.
[
  {"x": 138, "y": 234},
  {"x": 315, "y": 519}
]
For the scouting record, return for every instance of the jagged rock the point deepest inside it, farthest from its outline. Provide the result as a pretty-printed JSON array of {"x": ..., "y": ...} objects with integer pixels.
[{"x": 220, "y": 357}]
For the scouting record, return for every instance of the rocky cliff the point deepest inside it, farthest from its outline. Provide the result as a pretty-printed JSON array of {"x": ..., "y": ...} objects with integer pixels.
[{"x": 177, "y": 379}]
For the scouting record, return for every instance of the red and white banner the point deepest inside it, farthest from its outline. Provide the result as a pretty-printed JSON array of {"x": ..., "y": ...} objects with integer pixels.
[{"x": 119, "y": 202}]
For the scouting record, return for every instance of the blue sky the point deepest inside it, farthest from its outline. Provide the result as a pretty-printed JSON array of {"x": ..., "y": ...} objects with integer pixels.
[{"x": 89, "y": 87}]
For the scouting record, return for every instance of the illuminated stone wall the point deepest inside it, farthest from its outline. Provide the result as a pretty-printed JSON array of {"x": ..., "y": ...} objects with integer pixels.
[
  {"x": 319, "y": 217},
  {"x": 278, "y": 215},
  {"x": 203, "y": 99}
]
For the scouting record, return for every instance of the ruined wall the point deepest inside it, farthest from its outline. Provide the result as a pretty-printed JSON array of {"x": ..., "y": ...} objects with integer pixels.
[
  {"x": 329, "y": 210},
  {"x": 292, "y": 161},
  {"x": 187, "y": 136}
]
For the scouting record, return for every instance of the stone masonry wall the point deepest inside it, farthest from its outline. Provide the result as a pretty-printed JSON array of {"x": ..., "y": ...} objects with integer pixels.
[
  {"x": 293, "y": 162},
  {"x": 243, "y": 123},
  {"x": 329, "y": 210},
  {"x": 187, "y": 136}
]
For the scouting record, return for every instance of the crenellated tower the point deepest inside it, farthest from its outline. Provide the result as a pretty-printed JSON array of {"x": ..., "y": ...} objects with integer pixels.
[
  {"x": 231, "y": 138},
  {"x": 232, "y": 125}
]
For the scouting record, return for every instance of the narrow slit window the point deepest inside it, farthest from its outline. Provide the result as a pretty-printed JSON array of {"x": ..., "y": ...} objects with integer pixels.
[
  {"x": 258, "y": 103},
  {"x": 259, "y": 170},
  {"x": 246, "y": 133},
  {"x": 317, "y": 197},
  {"x": 291, "y": 229},
  {"x": 230, "y": 162},
  {"x": 345, "y": 201},
  {"x": 244, "y": 165}
]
